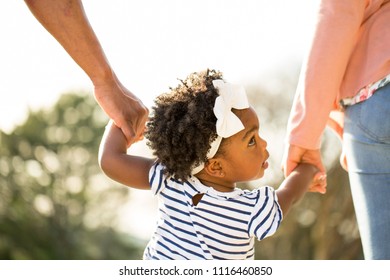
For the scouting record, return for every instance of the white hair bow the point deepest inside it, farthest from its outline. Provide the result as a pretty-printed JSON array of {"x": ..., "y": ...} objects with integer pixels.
[
  {"x": 228, "y": 124},
  {"x": 230, "y": 96}
]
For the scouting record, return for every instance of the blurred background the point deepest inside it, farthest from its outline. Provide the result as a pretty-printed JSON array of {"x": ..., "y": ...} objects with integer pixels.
[{"x": 55, "y": 203}]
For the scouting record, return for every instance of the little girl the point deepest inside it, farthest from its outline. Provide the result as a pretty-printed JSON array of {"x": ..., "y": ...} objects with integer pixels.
[{"x": 205, "y": 137}]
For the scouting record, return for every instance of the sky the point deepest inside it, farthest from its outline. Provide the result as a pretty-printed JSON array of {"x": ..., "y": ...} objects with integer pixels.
[{"x": 150, "y": 44}]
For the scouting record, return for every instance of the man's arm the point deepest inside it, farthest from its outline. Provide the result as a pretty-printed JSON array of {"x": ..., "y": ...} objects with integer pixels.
[{"x": 68, "y": 24}]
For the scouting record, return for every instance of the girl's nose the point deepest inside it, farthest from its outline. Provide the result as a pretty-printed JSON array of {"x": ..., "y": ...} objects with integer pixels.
[{"x": 263, "y": 143}]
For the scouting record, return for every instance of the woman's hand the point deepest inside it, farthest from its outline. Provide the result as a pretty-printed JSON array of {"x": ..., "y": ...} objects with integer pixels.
[{"x": 294, "y": 155}]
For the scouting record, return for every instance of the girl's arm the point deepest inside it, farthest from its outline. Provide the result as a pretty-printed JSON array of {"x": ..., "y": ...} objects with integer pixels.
[
  {"x": 296, "y": 185},
  {"x": 130, "y": 170}
]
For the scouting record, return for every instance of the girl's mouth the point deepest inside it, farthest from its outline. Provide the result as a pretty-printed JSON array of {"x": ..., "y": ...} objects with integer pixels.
[{"x": 265, "y": 163}]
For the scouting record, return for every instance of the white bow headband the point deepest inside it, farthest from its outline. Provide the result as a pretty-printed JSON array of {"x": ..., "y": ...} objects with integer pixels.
[{"x": 228, "y": 124}]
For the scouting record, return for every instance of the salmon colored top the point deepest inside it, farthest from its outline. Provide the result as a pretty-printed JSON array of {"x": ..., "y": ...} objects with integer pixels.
[{"x": 350, "y": 49}]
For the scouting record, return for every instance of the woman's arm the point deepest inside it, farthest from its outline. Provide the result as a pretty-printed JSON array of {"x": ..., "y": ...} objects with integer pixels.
[
  {"x": 130, "y": 170},
  {"x": 323, "y": 69},
  {"x": 296, "y": 185},
  {"x": 331, "y": 45}
]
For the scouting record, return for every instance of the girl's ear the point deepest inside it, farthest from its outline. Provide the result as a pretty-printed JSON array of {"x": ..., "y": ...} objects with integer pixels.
[{"x": 213, "y": 167}]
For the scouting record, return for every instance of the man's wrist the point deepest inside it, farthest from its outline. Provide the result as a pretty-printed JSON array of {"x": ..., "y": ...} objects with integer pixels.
[{"x": 103, "y": 76}]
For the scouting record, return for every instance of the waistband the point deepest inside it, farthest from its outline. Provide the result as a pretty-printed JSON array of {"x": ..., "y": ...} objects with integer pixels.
[{"x": 365, "y": 93}]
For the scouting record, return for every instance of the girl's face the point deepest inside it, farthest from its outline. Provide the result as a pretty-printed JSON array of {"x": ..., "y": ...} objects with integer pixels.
[{"x": 245, "y": 154}]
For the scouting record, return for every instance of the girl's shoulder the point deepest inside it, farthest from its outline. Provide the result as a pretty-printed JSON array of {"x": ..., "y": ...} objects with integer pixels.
[
  {"x": 264, "y": 191},
  {"x": 157, "y": 177},
  {"x": 159, "y": 181}
]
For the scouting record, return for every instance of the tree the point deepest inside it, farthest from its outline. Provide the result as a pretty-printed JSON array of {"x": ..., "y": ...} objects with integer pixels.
[{"x": 54, "y": 201}]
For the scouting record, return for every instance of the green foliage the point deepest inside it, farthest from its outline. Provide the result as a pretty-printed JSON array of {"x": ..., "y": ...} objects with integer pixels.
[{"x": 54, "y": 201}]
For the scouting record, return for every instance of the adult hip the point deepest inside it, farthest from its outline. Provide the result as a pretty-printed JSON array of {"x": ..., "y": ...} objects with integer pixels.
[{"x": 367, "y": 146}]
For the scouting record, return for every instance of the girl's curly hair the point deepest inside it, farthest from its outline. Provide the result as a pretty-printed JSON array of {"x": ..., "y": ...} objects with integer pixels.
[{"x": 182, "y": 124}]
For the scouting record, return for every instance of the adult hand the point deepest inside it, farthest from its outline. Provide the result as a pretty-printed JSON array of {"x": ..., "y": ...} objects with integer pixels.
[
  {"x": 124, "y": 108},
  {"x": 294, "y": 155},
  {"x": 67, "y": 22}
]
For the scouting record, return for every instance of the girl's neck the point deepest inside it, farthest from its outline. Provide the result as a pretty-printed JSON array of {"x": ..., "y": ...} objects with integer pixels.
[{"x": 216, "y": 183}]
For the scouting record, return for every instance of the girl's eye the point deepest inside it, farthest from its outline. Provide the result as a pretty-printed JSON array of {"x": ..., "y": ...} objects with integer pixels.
[{"x": 252, "y": 141}]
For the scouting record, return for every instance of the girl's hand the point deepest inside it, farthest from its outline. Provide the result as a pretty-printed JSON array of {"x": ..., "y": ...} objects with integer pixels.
[
  {"x": 319, "y": 183},
  {"x": 294, "y": 155}
]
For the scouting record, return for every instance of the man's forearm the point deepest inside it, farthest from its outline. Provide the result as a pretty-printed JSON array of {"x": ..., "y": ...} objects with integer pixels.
[{"x": 68, "y": 24}]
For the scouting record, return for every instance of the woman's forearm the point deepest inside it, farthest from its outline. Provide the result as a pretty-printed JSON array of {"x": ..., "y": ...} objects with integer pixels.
[{"x": 323, "y": 70}]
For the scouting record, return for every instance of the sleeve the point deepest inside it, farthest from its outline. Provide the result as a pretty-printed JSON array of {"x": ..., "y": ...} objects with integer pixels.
[
  {"x": 332, "y": 43},
  {"x": 157, "y": 178},
  {"x": 266, "y": 215}
]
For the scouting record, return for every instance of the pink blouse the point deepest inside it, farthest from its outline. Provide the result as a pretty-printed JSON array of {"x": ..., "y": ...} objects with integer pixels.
[{"x": 350, "y": 50}]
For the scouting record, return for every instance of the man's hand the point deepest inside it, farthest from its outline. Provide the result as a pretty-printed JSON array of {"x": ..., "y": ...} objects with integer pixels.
[
  {"x": 124, "y": 108},
  {"x": 67, "y": 22}
]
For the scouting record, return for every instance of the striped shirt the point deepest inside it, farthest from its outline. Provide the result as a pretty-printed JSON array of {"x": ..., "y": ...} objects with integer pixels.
[{"x": 221, "y": 226}]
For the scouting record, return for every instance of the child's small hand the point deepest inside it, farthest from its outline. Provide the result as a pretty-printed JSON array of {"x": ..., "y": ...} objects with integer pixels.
[
  {"x": 136, "y": 139},
  {"x": 132, "y": 139},
  {"x": 319, "y": 183}
]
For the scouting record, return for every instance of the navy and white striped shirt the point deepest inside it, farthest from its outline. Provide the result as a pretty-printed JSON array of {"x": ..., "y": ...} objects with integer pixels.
[{"x": 221, "y": 226}]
